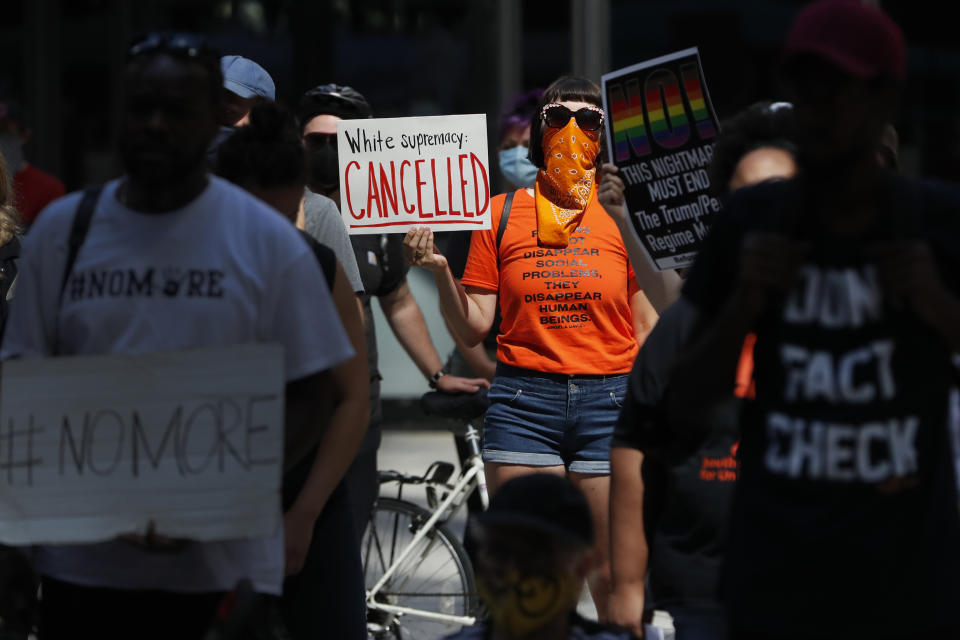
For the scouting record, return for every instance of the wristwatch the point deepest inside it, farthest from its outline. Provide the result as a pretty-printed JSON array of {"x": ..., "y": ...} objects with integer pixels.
[{"x": 436, "y": 377}]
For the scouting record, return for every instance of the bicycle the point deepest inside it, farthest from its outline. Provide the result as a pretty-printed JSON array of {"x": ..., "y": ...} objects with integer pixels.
[{"x": 419, "y": 578}]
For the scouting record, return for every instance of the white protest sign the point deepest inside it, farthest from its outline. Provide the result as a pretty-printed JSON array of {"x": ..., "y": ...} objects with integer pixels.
[
  {"x": 92, "y": 447},
  {"x": 400, "y": 173}
]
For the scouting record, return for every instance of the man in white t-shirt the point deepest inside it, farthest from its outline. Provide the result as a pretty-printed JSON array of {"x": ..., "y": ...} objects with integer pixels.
[{"x": 174, "y": 259}]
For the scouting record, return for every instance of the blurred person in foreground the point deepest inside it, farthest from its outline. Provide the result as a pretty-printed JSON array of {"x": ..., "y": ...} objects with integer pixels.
[
  {"x": 844, "y": 520},
  {"x": 533, "y": 558},
  {"x": 323, "y": 593},
  {"x": 256, "y": 282},
  {"x": 670, "y": 496}
]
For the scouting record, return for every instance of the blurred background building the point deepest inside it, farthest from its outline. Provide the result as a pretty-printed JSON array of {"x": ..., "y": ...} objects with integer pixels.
[{"x": 63, "y": 59}]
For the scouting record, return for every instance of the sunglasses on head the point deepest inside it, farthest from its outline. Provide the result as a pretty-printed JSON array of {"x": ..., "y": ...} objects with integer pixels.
[
  {"x": 557, "y": 116},
  {"x": 186, "y": 45}
]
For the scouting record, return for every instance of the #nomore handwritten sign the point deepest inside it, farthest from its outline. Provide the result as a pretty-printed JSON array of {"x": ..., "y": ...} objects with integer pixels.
[
  {"x": 400, "y": 173},
  {"x": 661, "y": 128},
  {"x": 93, "y": 447}
]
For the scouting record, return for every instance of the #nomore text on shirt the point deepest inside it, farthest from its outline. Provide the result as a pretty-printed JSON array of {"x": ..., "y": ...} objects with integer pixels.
[{"x": 146, "y": 282}]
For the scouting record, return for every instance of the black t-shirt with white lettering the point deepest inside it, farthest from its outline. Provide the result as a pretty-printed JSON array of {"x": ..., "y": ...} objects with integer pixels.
[{"x": 845, "y": 516}]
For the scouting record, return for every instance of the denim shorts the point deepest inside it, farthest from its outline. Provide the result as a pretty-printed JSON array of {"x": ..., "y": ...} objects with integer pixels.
[{"x": 545, "y": 419}]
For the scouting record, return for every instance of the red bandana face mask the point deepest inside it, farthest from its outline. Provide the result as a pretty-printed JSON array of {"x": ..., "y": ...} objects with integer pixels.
[{"x": 565, "y": 187}]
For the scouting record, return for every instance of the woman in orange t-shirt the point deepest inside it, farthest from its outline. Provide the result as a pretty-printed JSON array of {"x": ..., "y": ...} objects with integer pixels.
[{"x": 572, "y": 312}]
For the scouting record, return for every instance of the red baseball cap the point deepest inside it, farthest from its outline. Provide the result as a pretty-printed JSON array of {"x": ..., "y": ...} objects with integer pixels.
[{"x": 856, "y": 37}]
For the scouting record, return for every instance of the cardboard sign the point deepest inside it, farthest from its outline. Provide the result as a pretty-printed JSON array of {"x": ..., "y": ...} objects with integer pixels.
[
  {"x": 400, "y": 173},
  {"x": 94, "y": 447},
  {"x": 660, "y": 128}
]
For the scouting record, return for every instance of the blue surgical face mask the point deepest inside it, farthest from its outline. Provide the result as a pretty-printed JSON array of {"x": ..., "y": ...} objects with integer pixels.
[{"x": 517, "y": 168}]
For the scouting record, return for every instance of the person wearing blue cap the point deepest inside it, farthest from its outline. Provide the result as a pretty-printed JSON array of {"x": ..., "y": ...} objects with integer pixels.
[{"x": 245, "y": 83}]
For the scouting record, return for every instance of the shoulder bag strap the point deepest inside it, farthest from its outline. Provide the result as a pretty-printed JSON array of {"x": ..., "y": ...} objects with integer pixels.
[
  {"x": 78, "y": 232},
  {"x": 504, "y": 216}
]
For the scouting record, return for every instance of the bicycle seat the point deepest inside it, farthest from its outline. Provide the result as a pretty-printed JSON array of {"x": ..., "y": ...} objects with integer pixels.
[{"x": 460, "y": 406}]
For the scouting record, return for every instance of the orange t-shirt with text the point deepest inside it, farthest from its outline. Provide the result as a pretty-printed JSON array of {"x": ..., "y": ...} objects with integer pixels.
[{"x": 563, "y": 310}]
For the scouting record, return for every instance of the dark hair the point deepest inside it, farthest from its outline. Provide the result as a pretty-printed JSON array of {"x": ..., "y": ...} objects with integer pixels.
[
  {"x": 519, "y": 110},
  {"x": 563, "y": 88},
  {"x": 761, "y": 125},
  {"x": 264, "y": 154},
  {"x": 188, "y": 47}
]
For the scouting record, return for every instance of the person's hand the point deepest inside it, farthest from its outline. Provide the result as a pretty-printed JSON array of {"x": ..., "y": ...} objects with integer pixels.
[
  {"x": 625, "y": 608},
  {"x": 455, "y": 384},
  {"x": 610, "y": 192},
  {"x": 909, "y": 276},
  {"x": 297, "y": 534},
  {"x": 155, "y": 543},
  {"x": 770, "y": 261},
  {"x": 420, "y": 251}
]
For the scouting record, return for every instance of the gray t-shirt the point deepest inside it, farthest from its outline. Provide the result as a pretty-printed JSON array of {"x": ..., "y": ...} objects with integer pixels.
[
  {"x": 321, "y": 219},
  {"x": 223, "y": 270}
]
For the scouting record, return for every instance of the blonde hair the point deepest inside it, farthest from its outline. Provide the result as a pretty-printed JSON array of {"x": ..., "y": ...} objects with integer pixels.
[{"x": 9, "y": 217}]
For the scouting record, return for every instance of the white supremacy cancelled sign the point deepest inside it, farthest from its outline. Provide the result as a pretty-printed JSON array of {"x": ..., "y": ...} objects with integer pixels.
[
  {"x": 400, "y": 173},
  {"x": 93, "y": 447}
]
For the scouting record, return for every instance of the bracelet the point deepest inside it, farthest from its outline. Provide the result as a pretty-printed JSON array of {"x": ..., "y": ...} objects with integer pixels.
[{"x": 435, "y": 378}]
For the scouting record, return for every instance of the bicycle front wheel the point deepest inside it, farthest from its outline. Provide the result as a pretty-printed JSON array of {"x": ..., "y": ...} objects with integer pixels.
[{"x": 436, "y": 578}]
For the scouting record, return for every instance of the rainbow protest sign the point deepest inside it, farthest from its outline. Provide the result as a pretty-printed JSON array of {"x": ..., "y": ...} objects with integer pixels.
[{"x": 661, "y": 126}]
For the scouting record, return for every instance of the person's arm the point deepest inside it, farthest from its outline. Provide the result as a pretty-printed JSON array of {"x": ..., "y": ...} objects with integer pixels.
[
  {"x": 475, "y": 356},
  {"x": 343, "y": 434},
  {"x": 628, "y": 542},
  {"x": 468, "y": 310},
  {"x": 406, "y": 320},
  {"x": 644, "y": 315},
  {"x": 661, "y": 287}
]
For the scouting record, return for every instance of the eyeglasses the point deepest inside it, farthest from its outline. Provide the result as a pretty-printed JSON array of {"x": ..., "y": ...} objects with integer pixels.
[
  {"x": 319, "y": 140},
  {"x": 556, "y": 116},
  {"x": 187, "y": 45}
]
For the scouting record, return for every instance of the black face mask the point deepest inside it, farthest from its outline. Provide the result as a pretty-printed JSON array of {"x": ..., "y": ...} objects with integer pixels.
[
  {"x": 323, "y": 169},
  {"x": 222, "y": 135}
]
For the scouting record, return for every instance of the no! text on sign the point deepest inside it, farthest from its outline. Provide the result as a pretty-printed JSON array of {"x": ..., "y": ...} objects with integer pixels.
[
  {"x": 661, "y": 127},
  {"x": 94, "y": 447},
  {"x": 401, "y": 173}
]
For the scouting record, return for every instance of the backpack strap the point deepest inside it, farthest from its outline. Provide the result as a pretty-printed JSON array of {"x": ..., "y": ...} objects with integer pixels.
[
  {"x": 78, "y": 232},
  {"x": 504, "y": 216}
]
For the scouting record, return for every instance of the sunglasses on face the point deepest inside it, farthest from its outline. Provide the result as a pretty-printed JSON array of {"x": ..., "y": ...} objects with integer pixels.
[
  {"x": 557, "y": 116},
  {"x": 319, "y": 140}
]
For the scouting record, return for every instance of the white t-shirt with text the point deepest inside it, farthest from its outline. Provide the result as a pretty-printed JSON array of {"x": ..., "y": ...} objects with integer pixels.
[{"x": 223, "y": 270}]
